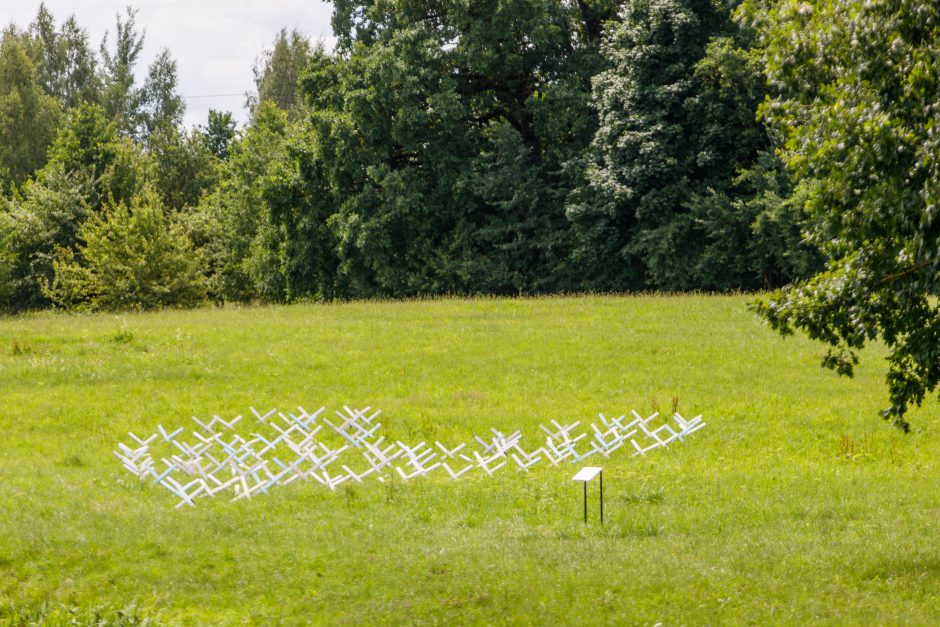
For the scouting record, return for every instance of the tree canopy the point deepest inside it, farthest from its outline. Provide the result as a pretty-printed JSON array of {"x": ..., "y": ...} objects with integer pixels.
[
  {"x": 856, "y": 86},
  {"x": 499, "y": 147},
  {"x": 28, "y": 115},
  {"x": 496, "y": 147}
]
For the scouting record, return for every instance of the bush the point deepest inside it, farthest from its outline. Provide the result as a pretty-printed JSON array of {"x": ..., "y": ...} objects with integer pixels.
[
  {"x": 46, "y": 216},
  {"x": 130, "y": 258}
]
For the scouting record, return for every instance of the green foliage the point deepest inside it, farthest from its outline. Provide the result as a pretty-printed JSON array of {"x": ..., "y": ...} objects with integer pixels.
[
  {"x": 402, "y": 181},
  {"x": 667, "y": 204},
  {"x": 184, "y": 166},
  {"x": 278, "y": 70},
  {"x": 28, "y": 116},
  {"x": 232, "y": 225},
  {"x": 447, "y": 152},
  {"x": 161, "y": 105},
  {"x": 130, "y": 257},
  {"x": 7, "y": 260},
  {"x": 121, "y": 98},
  {"x": 45, "y": 218},
  {"x": 85, "y": 142},
  {"x": 643, "y": 150},
  {"x": 89, "y": 144},
  {"x": 64, "y": 59},
  {"x": 127, "y": 175},
  {"x": 378, "y": 173},
  {"x": 855, "y": 104},
  {"x": 93, "y": 616},
  {"x": 88, "y": 167},
  {"x": 506, "y": 178},
  {"x": 219, "y": 132},
  {"x": 498, "y": 147},
  {"x": 750, "y": 236}
]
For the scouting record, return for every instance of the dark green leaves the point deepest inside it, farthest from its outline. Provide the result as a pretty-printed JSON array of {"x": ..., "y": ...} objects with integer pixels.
[{"x": 856, "y": 104}]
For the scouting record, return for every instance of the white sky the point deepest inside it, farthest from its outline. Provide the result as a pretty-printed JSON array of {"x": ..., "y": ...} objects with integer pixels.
[{"x": 215, "y": 42}]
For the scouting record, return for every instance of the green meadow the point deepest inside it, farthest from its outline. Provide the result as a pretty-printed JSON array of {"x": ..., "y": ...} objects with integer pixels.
[{"x": 796, "y": 504}]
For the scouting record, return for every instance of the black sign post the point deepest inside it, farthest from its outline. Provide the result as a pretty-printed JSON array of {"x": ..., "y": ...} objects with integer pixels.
[{"x": 585, "y": 475}]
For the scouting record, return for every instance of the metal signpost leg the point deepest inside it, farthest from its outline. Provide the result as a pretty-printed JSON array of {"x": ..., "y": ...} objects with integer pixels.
[
  {"x": 585, "y": 501},
  {"x": 585, "y": 475}
]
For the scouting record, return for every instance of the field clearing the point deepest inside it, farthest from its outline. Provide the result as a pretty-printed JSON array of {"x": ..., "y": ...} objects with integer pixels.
[{"x": 796, "y": 504}]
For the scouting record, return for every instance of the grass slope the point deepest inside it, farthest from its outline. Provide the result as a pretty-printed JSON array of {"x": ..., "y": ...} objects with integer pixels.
[{"x": 795, "y": 504}]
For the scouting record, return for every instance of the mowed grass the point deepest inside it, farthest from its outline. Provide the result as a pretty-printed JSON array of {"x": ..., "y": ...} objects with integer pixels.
[{"x": 796, "y": 504}]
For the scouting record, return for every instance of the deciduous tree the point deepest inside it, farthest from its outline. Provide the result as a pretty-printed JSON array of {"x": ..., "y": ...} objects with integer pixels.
[
  {"x": 278, "y": 70},
  {"x": 47, "y": 216},
  {"x": 219, "y": 132},
  {"x": 65, "y": 61},
  {"x": 162, "y": 107},
  {"x": 856, "y": 84},
  {"x": 677, "y": 128},
  {"x": 130, "y": 257},
  {"x": 121, "y": 98},
  {"x": 28, "y": 116}
]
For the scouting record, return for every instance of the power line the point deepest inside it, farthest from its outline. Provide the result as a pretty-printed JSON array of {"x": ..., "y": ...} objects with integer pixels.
[{"x": 240, "y": 94}]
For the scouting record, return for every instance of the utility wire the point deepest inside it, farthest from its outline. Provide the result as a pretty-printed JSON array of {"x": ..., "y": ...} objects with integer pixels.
[{"x": 240, "y": 94}]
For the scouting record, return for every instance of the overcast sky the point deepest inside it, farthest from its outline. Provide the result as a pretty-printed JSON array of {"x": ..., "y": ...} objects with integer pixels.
[{"x": 215, "y": 42}]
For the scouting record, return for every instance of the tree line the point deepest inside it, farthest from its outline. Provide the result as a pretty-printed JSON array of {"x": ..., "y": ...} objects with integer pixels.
[
  {"x": 492, "y": 147},
  {"x": 500, "y": 147}
]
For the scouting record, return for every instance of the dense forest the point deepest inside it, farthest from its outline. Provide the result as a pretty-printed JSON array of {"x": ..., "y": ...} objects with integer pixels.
[{"x": 441, "y": 147}]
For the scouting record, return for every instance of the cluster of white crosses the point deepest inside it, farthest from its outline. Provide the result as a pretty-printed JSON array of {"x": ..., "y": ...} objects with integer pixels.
[{"x": 287, "y": 447}]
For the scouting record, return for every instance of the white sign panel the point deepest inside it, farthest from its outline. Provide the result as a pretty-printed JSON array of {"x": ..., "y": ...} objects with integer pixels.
[{"x": 587, "y": 473}]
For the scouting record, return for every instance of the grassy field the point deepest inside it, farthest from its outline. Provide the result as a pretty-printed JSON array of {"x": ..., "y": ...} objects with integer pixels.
[{"x": 796, "y": 504}]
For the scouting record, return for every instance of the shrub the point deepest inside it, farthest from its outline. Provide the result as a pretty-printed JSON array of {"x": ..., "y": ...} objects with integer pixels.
[
  {"x": 131, "y": 257},
  {"x": 47, "y": 215}
]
